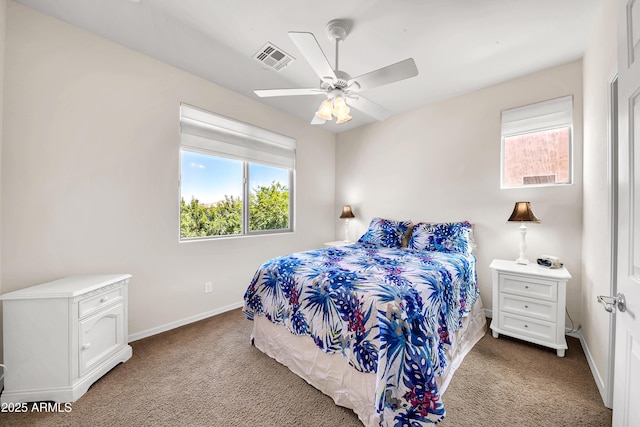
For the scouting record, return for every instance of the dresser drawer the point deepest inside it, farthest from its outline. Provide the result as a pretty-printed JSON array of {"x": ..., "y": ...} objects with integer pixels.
[
  {"x": 102, "y": 299},
  {"x": 536, "y": 329},
  {"x": 529, "y": 287},
  {"x": 536, "y": 308}
]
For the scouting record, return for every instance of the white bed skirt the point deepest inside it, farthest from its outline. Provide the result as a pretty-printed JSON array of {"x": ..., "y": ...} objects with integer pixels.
[{"x": 332, "y": 374}]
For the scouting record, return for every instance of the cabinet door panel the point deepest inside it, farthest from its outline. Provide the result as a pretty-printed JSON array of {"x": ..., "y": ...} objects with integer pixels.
[{"x": 100, "y": 335}]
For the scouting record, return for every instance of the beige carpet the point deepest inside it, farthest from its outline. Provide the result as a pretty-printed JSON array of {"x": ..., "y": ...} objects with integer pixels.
[{"x": 208, "y": 374}]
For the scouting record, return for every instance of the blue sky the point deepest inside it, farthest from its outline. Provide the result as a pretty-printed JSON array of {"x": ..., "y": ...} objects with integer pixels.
[{"x": 209, "y": 178}]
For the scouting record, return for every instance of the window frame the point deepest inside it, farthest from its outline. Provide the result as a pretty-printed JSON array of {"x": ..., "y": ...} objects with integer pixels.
[
  {"x": 536, "y": 118},
  {"x": 252, "y": 134},
  {"x": 246, "y": 207}
]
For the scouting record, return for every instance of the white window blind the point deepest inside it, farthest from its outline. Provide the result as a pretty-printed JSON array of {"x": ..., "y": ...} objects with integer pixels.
[
  {"x": 536, "y": 117},
  {"x": 209, "y": 133}
]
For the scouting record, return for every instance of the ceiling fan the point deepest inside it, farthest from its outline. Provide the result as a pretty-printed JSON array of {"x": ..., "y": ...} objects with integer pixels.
[{"x": 340, "y": 89}]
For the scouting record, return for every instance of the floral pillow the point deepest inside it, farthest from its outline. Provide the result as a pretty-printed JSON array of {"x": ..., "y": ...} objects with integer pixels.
[
  {"x": 384, "y": 232},
  {"x": 442, "y": 237}
]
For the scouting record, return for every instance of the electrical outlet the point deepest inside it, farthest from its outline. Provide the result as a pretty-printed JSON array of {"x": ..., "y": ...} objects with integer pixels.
[{"x": 208, "y": 287}]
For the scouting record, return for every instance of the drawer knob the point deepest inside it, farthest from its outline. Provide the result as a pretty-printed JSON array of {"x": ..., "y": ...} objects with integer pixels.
[
  {"x": 526, "y": 326},
  {"x": 526, "y": 286},
  {"x": 104, "y": 299},
  {"x": 86, "y": 346},
  {"x": 526, "y": 306}
]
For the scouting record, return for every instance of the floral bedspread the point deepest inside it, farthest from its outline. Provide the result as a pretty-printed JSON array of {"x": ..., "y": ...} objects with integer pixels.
[{"x": 386, "y": 310}]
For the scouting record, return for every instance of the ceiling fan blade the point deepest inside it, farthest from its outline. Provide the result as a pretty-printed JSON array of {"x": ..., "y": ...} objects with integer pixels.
[
  {"x": 317, "y": 120},
  {"x": 370, "y": 108},
  {"x": 389, "y": 74},
  {"x": 265, "y": 93},
  {"x": 309, "y": 47}
]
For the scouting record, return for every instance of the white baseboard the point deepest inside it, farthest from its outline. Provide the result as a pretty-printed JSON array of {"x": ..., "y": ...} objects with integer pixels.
[
  {"x": 594, "y": 371},
  {"x": 575, "y": 334},
  {"x": 177, "y": 324}
]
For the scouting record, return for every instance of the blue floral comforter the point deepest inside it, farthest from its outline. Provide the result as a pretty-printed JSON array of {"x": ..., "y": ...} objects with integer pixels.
[{"x": 389, "y": 311}]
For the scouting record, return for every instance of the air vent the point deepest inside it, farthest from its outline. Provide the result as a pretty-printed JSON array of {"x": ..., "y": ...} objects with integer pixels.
[{"x": 273, "y": 57}]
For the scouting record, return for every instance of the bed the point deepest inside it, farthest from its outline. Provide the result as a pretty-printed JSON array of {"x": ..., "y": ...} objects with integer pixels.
[{"x": 379, "y": 325}]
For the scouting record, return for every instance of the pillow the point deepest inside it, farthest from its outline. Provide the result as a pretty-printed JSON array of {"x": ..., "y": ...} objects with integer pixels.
[
  {"x": 442, "y": 237},
  {"x": 384, "y": 232}
]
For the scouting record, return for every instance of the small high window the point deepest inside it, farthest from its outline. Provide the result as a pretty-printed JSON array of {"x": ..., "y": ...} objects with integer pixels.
[{"x": 536, "y": 144}]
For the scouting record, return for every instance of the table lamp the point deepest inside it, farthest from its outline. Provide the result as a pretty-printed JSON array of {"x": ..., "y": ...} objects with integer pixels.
[
  {"x": 346, "y": 215},
  {"x": 522, "y": 213}
]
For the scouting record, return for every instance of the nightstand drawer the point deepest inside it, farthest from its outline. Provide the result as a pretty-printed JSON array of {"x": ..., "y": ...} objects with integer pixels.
[
  {"x": 539, "y": 309},
  {"x": 527, "y": 327},
  {"x": 529, "y": 287}
]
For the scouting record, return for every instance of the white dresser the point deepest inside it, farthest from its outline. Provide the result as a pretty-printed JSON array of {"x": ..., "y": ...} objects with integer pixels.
[
  {"x": 529, "y": 303},
  {"x": 61, "y": 336}
]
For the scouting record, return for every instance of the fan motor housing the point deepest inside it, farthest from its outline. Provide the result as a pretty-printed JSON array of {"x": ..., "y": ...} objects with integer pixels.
[{"x": 343, "y": 79}]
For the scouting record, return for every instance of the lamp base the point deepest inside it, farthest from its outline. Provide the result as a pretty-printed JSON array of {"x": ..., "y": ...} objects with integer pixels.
[
  {"x": 523, "y": 245},
  {"x": 346, "y": 230}
]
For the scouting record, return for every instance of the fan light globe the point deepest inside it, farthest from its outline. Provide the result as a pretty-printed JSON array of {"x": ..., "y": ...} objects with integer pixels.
[
  {"x": 341, "y": 110},
  {"x": 324, "y": 111},
  {"x": 339, "y": 104},
  {"x": 343, "y": 119}
]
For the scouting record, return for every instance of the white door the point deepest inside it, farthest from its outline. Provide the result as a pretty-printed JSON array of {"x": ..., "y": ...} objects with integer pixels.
[{"x": 626, "y": 390}]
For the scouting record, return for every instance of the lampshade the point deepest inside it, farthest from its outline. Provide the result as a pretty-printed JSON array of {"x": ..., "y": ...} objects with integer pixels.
[
  {"x": 347, "y": 213},
  {"x": 522, "y": 212}
]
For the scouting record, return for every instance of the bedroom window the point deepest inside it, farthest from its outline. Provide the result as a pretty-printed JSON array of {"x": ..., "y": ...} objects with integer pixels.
[
  {"x": 536, "y": 144},
  {"x": 235, "y": 179}
]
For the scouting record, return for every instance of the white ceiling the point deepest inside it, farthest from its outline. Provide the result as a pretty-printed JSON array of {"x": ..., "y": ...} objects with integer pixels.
[{"x": 458, "y": 45}]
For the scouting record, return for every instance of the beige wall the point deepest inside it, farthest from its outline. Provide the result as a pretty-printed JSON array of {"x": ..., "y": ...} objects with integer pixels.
[
  {"x": 90, "y": 174},
  {"x": 599, "y": 68},
  {"x": 442, "y": 163}
]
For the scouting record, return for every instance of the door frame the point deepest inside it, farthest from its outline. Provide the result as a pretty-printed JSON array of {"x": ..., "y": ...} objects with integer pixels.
[{"x": 612, "y": 176}]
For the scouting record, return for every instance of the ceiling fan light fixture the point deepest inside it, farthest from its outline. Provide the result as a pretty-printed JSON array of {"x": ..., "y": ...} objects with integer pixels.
[
  {"x": 339, "y": 104},
  {"x": 335, "y": 83},
  {"x": 334, "y": 106},
  {"x": 340, "y": 109},
  {"x": 343, "y": 118},
  {"x": 325, "y": 110}
]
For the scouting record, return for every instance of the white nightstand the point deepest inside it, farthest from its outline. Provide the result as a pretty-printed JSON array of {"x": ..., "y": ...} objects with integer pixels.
[
  {"x": 338, "y": 243},
  {"x": 529, "y": 303}
]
